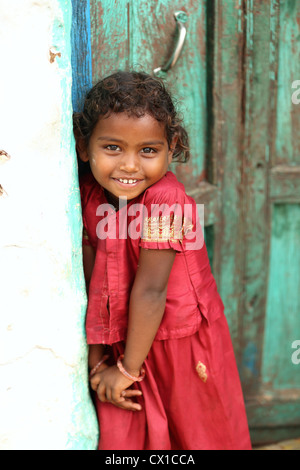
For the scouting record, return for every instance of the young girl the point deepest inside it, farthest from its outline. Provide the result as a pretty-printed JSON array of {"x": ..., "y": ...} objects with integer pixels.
[{"x": 160, "y": 355}]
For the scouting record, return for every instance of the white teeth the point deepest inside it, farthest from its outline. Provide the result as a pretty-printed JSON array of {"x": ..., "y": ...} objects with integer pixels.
[{"x": 127, "y": 181}]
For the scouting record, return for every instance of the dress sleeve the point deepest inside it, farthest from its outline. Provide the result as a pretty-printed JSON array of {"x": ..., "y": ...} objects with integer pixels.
[{"x": 168, "y": 222}]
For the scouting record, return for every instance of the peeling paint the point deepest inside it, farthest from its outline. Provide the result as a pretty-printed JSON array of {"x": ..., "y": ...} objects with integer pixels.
[
  {"x": 53, "y": 54},
  {"x": 4, "y": 157},
  {"x": 2, "y": 191}
]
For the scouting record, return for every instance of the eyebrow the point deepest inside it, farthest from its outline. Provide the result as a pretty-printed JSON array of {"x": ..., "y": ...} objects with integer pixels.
[
  {"x": 153, "y": 142},
  {"x": 106, "y": 137},
  {"x": 115, "y": 139}
]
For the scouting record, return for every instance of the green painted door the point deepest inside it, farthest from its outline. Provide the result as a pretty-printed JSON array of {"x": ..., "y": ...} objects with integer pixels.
[{"x": 233, "y": 81}]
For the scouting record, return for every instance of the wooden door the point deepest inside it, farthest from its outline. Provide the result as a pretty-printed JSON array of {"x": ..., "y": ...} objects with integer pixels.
[
  {"x": 233, "y": 81},
  {"x": 255, "y": 141}
]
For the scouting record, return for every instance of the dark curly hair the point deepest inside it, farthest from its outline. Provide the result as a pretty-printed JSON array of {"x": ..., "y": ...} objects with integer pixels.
[{"x": 137, "y": 94}]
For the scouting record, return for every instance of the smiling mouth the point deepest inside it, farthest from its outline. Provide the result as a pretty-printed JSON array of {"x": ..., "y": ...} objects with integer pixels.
[{"x": 127, "y": 180}]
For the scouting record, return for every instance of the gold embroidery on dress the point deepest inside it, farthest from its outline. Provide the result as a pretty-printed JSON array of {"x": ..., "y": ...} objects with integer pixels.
[
  {"x": 165, "y": 228},
  {"x": 187, "y": 226},
  {"x": 201, "y": 370}
]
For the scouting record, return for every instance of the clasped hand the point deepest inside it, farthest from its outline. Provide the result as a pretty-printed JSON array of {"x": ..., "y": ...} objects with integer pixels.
[{"x": 112, "y": 386}]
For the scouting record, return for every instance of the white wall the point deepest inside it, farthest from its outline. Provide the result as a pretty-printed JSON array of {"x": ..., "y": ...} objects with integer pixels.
[{"x": 44, "y": 397}]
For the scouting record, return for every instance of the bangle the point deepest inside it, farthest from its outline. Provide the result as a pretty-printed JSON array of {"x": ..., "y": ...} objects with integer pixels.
[
  {"x": 129, "y": 376},
  {"x": 94, "y": 369}
]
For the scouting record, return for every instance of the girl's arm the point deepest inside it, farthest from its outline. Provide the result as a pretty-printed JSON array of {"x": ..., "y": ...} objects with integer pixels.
[{"x": 147, "y": 305}]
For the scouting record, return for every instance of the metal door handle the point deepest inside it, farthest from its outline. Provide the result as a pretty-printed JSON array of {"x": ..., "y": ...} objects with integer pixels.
[{"x": 180, "y": 18}]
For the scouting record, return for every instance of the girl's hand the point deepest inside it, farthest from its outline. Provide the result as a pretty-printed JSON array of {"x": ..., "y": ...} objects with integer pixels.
[
  {"x": 95, "y": 380},
  {"x": 113, "y": 388}
]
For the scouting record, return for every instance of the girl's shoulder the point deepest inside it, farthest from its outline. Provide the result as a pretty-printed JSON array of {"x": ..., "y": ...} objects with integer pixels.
[
  {"x": 89, "y": 189},
  {"x": 87, "y": 182},
  {"x": 167, "y": 190}
]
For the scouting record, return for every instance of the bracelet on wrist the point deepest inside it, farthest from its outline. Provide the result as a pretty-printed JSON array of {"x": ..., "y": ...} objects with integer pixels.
[
  {"x": 129, "y": 376},
  {"x": 94, "y": 369}
]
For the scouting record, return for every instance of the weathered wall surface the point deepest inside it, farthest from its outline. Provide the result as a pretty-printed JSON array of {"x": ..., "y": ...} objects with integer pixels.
[{"x": 44, "y": 398}]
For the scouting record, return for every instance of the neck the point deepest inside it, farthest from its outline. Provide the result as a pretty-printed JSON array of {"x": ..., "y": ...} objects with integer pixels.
[
  {"x": 111, "y": 199},
  {"x": 114, "y": 200}
]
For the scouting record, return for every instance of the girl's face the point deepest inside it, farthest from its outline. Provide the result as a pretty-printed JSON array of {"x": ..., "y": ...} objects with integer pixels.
[{"x": 128, "y": 154}]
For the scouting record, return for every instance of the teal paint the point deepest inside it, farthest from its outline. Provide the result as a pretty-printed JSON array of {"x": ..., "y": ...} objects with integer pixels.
[
  {"x": 288, "y": 115},
  {"x": 282, "y": 324},
  {"x": 81, "y": 52},
  {"x": 83, "y": 434},
  {"x": 209, "y": 242},
  {"x": 249, "y": 361}
]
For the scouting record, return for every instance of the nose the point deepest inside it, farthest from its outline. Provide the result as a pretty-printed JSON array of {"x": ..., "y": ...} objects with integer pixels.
[{"x": 130, "y": 162}]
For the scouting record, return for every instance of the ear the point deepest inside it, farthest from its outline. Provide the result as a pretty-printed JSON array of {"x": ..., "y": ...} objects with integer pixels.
[
  {"x": 82, "y": 149},
  {"x": 172, "y": 148}
]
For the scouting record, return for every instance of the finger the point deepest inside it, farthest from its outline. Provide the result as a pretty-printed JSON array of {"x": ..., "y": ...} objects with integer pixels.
[
  {"x": 94, "y": 382},
  {"x": 117, "y": 398},
  {"x": 108, "y": 394},
  {"x": 101, "y": 393},
  {"x": 129, "y": 405},
  {"x": 131, "y": 393},
  {"x": 110, "y": 397},
  {"x": 94, "y": 386}
]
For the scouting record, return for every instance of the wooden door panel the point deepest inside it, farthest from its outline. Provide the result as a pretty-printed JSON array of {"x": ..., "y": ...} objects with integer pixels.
[
  {"x": 287, "y": 150},
  {"x": 284, "y": 181},
  {"x": 271, "y": 228},
  {"x": 225, "y": 43},
  {"x": 81, "y": 52},
  {"x": 282, "y": 320},
  {"x": 274, "y": 409},
  {"x": 259, "y": 98},
  {"x": 110, "y": 44},
  {"x": 259, "y": 179}
]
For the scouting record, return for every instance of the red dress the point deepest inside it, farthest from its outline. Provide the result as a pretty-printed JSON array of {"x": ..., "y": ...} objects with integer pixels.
[{"x": 192, "y": 397}]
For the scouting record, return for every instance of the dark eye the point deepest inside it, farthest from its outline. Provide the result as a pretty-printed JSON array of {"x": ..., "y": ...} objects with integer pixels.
[
  {"x": 112, "y": 147},
  {"x": 148, "y": 150}
]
